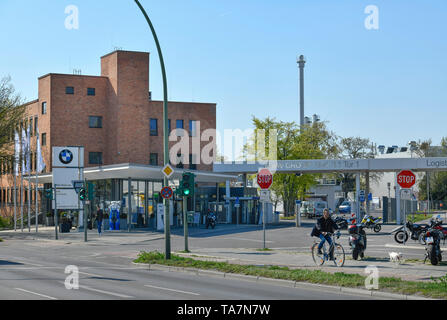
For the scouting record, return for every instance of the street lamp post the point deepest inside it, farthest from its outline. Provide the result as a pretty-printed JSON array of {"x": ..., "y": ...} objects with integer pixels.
[{"x": 165, "y": 132}]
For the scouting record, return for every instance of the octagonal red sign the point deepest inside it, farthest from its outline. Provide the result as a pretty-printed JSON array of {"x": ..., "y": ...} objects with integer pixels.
[
  {"x": 264, "y": 178},
  {"x": 406, "y": 179}
]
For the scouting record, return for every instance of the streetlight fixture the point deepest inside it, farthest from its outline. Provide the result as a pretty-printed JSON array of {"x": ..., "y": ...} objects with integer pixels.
[{"x": 165, "y": 132}]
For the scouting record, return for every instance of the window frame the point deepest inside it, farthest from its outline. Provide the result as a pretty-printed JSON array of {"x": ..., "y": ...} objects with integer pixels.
[
  {"x": 69, "y": 90},
  {"x": 153, "y": 132},
  {"x": 90, "y": 92},
  {"x": 100, "y": 126},
  {"x": 101, "y": 162}
]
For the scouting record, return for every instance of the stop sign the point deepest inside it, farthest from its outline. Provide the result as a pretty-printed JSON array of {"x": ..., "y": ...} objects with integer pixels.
[
  {"x": 406, "y": 179},
  {"x": 265, "y": 178}
]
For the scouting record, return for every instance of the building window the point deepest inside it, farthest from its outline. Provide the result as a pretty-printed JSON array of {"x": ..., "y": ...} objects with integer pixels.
[
  {"x": 154, "y": 159},
  {"x": 95, "y": 122},
  {"x": 192, "y": 128},
  {"x": 154, "y": 127},
  {"x": 95, "y": 157},
  {"x": 180, "y": 161},
  {"x": 69, "y": 90},
  {"x": 44, "y": 139},
  {"x": 91, "y": 91},
  {"x": 44, "y": 108},
  {"x": 179, "y": 125},
  {"x": 192, "y": 164},
  {"x": 31, "y": 131},
  {"x": 169, "y": 126},
  {"x": 35, "y": 125}
]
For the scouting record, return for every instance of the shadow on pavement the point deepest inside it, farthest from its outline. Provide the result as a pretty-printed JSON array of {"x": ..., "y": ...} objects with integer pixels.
[{"x": 10, "y": 263}]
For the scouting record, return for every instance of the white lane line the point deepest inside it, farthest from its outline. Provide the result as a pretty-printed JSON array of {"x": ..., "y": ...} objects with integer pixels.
[
  {"x": 90, "y": 274},
  {"x": 119, "y": 295},
  {"x": 107, "y": 292},
  {"x": 180, "y": 291},
  {"x": 247, "y": 240},
  {"x": 37, "y": 294},
  {"x": 407, "y": 247}
]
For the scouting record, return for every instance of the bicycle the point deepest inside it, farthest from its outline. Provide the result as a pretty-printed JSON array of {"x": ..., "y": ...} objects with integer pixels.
[{"x": 338, "y": 254}]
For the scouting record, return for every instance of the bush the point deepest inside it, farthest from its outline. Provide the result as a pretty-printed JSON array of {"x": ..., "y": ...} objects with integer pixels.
[{"x": 6, "y": 223}]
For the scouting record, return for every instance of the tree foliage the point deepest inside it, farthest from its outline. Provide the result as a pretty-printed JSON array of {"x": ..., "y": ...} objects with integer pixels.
[
  {"x": 310, "y": 142},
  {"x": 11, "y": 113}
]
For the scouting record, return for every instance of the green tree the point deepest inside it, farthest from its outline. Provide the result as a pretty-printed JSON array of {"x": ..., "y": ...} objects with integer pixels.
[
  {"x": 310, "y": 142},
  {"x": 11, "y": 113}
]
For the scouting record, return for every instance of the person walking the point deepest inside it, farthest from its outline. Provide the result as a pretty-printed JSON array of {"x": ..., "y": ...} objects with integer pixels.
[{"x": 99, "y": 218}]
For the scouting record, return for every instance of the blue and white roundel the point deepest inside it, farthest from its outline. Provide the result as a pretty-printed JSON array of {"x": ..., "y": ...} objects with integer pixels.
[{"x": 65, "y": 156}]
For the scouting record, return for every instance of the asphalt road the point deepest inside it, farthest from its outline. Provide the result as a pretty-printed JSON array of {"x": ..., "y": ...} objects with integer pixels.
[{"x": 36, "y": 270}]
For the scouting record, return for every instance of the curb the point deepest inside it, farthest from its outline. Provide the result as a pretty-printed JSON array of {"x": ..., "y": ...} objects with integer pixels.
[{"x": 281, "y": 282}]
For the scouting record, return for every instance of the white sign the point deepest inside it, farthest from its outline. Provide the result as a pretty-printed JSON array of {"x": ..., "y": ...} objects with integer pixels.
[
  {"x": 68, "y": 163},
  {"x": 406, "y": 194},
  {"x": 264, "y": 196},
  {"x": 160, "y": 216},
  {"x": 68, "y": 157},
  {"x": 66, "y": 196}
]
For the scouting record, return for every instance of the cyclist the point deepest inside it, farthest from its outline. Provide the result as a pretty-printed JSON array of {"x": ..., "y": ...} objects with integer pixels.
[{"x": 324, "y": 225}]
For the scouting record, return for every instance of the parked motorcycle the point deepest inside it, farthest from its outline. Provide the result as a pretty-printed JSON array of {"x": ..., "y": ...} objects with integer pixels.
[
  {"x": 435, "y": 223},
  {"x": 372, "y": 222},
  {"x": 433, "y": 251},
  {"x": 417, "y": 232},
  {"x": 357, "y": 240},
  {"x": 211, "y": 220},
  {"x": 341, "y": 222}
]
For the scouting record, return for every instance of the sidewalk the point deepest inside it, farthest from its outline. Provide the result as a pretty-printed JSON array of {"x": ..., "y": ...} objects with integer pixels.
[{"x": 412, "y": 271}]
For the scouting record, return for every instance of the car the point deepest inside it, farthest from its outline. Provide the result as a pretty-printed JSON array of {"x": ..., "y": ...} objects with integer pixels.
[
  {"x": 319, "y": 207},
  {"x": 345, "y": 207}
]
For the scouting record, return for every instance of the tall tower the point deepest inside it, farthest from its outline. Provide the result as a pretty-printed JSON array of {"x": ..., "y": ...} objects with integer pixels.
[{"x": 301, "y": 62}]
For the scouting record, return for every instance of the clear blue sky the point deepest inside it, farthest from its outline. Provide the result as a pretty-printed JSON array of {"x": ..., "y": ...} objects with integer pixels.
[{"x": 388, "y": 85}]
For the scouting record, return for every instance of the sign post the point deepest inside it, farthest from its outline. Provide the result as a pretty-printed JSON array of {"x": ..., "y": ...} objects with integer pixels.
[
  {"x": 298, "y": 213},
  {"x": 265, "y": 180},
  {"x": 406, "y": 179}
]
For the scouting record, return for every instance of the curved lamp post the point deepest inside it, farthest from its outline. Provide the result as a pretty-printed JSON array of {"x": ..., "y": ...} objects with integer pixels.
[{"x": 165, "y": 132}]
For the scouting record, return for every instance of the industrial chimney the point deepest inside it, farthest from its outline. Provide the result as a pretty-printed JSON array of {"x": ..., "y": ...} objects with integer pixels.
[{"x": 301, "y": 62}]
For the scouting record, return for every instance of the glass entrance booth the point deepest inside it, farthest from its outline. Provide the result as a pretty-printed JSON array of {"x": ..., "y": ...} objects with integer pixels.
[{"x": 112, "y": 195}]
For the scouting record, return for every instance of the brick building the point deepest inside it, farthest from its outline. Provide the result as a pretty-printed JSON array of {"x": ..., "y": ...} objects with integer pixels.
[{"x": 111, "y": 115}]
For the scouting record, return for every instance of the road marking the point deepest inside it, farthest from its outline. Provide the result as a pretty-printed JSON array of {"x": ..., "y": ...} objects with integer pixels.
[
  {"x": 247, "y": 240},
  {"x": 37, "y": 294},
  {"x": 407, "y": 247},
  {"x": 90, "y": 274},
  {"x": 193, "y": 293},
  {"x": 105, "y": 292}
]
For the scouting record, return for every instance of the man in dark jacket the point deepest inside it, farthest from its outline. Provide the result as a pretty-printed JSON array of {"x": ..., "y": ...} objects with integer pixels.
[
  {"x": 99, "y": 218},
  {"x": 324, "y": 225}
]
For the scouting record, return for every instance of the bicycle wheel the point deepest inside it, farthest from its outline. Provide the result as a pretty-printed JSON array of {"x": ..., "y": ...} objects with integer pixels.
[
  {"x": 318, "y": 258},
  {"x": 339, "y": 255}
]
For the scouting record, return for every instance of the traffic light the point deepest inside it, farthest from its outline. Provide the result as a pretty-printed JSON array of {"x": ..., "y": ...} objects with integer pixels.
[
  {"x": 49, "y": 194},
  {"x": 82, "y": 194},
  {"x": 187, "y": 184},
  {"x": 91, "y": 191}
]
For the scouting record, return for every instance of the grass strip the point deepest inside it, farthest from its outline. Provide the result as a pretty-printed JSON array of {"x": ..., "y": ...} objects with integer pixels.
[
  {"x": 418, "y": 217},
  {"x": 437, "y": 288}
]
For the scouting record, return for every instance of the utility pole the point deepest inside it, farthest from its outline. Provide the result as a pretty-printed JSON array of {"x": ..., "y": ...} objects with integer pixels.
[{"x": 165, "y": 131}]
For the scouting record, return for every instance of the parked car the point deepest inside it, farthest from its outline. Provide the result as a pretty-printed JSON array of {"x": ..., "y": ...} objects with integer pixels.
[
  {"x": 345, "y": 207},
  {"x": 306, "y": 208},
  {"x": 319, "y": 206}
]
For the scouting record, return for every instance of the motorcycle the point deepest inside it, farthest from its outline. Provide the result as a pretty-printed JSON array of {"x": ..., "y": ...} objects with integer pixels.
[
  {"x": 433, "y": 248},
  {"x": 416, "y": 232},
  {"x": 357, "y": 240},
  {"x": 435, "y": 223},
  {"x": 341, "y": 222},
  {"x": 372, "y": 222},
  {"x": 211, "y": 220}
]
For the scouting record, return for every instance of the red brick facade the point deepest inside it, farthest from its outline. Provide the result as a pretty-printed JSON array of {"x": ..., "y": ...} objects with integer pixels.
[{"x": 122, "y": 100}]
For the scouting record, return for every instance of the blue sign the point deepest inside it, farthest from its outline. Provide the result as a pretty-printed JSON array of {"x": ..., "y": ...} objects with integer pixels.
[
  {"x": 370, "y": 196},
  {"x": 297, "y": 201},
  {"x": 362, "y": 198},
  {"x": 65, "y": 156},
  {"x": 237, "y": 200}
]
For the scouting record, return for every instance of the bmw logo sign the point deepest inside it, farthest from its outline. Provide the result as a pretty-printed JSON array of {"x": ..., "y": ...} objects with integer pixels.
[{"x": 65, "y": 156}]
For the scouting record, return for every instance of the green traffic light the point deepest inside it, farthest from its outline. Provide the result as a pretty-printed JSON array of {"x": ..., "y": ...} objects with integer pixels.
[{"x": 186, "y": 192}]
